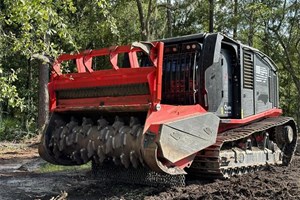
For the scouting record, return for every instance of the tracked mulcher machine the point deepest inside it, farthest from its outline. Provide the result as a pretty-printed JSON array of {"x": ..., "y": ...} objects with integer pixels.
[{"x": 200, "y": 104}]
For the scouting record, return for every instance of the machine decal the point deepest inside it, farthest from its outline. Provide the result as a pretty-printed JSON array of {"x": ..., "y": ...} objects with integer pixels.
[{"x": 261, "y": 74}]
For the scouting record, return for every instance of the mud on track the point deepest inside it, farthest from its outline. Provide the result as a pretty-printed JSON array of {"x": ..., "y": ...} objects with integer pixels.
[{"x": 20, "y": 178}]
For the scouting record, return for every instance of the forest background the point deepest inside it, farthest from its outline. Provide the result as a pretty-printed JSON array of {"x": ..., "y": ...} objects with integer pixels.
[{"x": 51, "y": 27}]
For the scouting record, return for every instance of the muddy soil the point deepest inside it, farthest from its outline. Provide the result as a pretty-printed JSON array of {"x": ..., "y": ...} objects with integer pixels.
[{"x": 21, "y": 178}]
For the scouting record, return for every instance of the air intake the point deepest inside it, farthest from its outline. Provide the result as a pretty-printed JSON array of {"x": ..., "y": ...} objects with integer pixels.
[{"x": 248, "y": 70}]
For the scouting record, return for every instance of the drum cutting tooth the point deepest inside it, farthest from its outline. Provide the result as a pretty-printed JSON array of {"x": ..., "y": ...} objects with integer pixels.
[
  {"x": 94, "y": 145},
  {"x": 81, "y": 130},
  {"x": 125, "y": 160},
  {"x": 113, "y": 142},
  {"x": 103, "y": 147},
  {"x": 75, "y": 156},
  {"x": 79, "y": 137},
  {"x": 76, "y": 137},
  {"x": 124, "y": 139},
  {"x": 116, "y": 161},
  {"x": 86, "y": 121},
  {"x": 73, "y": 119},
  {"x": 135, "y": 130},
  {"x": 96, "y": 159},
  {"x": 90, "y": 150},
  {"x": 85, "y": 129},
  {"x": 103, "y": 134},
  {"x": 70, "y": 139},
  {"x": 117, "y": 118},
  {"x": 83, "y": 155},
  {"x": 139, "y": 132},
  {"x": 59, "y": 123},
  {"x": 62, "y": 133},
  {"x": 133, "y": 121},
  {"x": 106, "y": 135},
  {"x": 133, "y": 159},
  {"x": 75, "y": 131},
  {"x": 89, "y": 131},
  {"x": 101, "y": 123},
  {"x": 72, "y": 123},
  {"x": 108, "y": 145},
  {"x": 125, "y": 129},
  {"x": 122, "y": 129},
  {"x": 117, "y": 124},
  {"x": 101, "y": 154},
  {"x": 117, "y": 141},
  {"x": 62, "y": 143}
]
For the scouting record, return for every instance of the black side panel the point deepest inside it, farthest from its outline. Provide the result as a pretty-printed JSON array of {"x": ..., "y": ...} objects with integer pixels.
[
  {"x": 218, "y": 83},
  {"x": 236, "y": 85},
  {"x": 263, "y": 85},
  {"x": 214, "y": 86},
  {"x": 210, "y": 56},
  {"x": 260, "y": 88}
]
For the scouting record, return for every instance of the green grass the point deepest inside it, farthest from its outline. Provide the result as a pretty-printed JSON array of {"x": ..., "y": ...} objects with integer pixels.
[{"x": 56, "y": 168}]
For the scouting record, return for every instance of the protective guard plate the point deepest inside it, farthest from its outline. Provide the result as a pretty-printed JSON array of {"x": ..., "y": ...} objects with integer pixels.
[{"x": 181, "y": 138}]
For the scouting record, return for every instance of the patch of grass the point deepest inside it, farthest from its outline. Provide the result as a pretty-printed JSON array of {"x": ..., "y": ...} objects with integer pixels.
[
  {"x": 56, "y": 168},
  {"x": 6, "y": 146}
]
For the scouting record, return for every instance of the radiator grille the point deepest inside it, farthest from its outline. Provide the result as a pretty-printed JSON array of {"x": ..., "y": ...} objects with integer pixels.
[
  {"x": 179, "y": 86},
  {"x": 248, "y": 70},
  {"x": 104, "y": 91}
]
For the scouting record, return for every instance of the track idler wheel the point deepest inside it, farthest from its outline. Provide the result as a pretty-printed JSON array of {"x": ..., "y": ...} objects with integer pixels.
[{"x": 286, "y": 139}]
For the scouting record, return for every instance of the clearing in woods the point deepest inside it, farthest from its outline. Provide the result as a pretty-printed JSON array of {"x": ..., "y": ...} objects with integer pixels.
[{"x": 23, "y": 175}]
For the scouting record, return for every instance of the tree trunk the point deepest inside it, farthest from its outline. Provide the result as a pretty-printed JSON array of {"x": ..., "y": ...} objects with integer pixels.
[
  {"x": 29, "y": 94},
  {"x": 43, "y": 108},
  {"x": 251, "y": 29},
  {"x": 211, "y": 16},
  {"x": 235, "y": 11},
  {"x": 142, "y": 20},
  {"x": 1, "y": 112},
  {"x": 147, "y": 22},
  {"x": 169, "y": 19}
]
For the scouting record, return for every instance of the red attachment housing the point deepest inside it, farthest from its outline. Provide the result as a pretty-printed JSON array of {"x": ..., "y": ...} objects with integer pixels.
[{"x": 135, "y": 77}]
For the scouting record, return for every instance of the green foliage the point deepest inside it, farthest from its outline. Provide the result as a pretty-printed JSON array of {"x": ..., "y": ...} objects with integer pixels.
[
  {"x": 10, "y": 130},
  {"x": 37, "y": 21},
  {"x": 8, "y": 91}
]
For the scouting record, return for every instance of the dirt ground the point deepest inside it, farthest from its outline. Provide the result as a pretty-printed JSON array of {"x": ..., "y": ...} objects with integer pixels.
[{"x": 20, "y": 178}]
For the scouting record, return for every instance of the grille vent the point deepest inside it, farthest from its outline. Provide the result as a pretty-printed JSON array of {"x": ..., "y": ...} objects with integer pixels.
[
  {"x": 248, "y": 70},
  {"x": 104, "y": 91}
]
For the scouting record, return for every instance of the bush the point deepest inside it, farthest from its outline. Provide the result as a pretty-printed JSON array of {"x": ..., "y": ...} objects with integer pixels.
[{"x": 10, "y": 130}]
